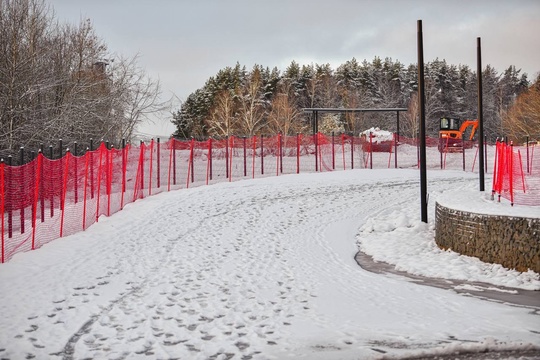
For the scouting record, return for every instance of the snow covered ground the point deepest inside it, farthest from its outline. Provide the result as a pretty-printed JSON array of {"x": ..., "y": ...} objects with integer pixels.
[{"x": 263, "y": 269}]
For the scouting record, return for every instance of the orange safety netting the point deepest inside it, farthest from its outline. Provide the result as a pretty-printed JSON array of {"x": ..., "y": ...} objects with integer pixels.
[
  {"x": 516, "y": 174},
  {"x": 48, "y": 199}
]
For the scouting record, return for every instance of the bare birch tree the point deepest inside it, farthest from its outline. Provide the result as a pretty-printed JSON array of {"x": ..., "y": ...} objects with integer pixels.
[
  {"x": 222, "y": 122},
  {"x": 252, "y": 107}
]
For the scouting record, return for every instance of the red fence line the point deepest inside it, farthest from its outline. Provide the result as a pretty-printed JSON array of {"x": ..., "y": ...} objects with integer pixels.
[{"x": 57, "y": 198}]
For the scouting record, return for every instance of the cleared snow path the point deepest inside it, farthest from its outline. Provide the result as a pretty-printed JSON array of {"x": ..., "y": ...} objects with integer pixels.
[{"x": 259, "y": 269}]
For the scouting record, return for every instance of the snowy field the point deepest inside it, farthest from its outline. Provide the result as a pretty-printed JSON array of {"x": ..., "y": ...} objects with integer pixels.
[{"x": 264, "y": 269}]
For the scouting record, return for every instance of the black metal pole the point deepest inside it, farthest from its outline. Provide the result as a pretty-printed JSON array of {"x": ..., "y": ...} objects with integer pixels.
[
  {"x": 463, "y": 147},
  {"x": 316, "y": 151},
  {"x": 480, "y": 114},
  {"x": 245, "y": 155},
  {"x": 174, "y": 162},
  {"x": 75, "y": 173},
  {"x": 41, "y": 185},
  {"x": 226, "y": 157},
  {"x": 441, "y": 147},
  {"x": 396, "y": 139},
  {"x": 123, "y": 165},
  {"x": 422, "y": 107},
  {"x": 280, "y": 153},
  {"x": 210, "y": 152},
  {"x": 262, "y": 154},
  {"x": 352, "y": 151},
  {"x": 333, "y": 153},
  {"x": 21, "y": 162},
  {"x": 158, "y": 156},
  {"x": 9, "y": 201}
]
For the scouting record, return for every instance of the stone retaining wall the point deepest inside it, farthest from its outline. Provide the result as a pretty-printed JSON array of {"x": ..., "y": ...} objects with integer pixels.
[{"x": 513, "y": 242}]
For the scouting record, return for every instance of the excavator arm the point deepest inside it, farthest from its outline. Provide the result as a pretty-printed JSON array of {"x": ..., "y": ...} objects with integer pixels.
[{"x": 466, "y": 124}]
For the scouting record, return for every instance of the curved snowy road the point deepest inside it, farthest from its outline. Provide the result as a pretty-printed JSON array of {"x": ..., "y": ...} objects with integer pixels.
[{"x": 259, "y": 269}]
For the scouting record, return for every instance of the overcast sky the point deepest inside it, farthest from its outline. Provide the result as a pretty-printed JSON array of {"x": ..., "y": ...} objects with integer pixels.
[{"x": 184, "y": 42}]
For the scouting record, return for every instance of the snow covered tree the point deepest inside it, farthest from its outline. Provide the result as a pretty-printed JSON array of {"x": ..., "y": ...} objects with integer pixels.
[
  {"x": 331, "y": 123},
  {"x": 285, "y": 116},
  {"x": 252, "y": 107}
]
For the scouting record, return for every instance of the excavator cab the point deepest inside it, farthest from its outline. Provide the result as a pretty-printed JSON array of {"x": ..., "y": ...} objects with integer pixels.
[
  {"x": 451, "y": 134},
  {"x": 450, "y": 123}
]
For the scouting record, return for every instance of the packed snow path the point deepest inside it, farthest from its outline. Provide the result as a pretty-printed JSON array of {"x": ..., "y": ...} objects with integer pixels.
[{"x": 258, "y": 269}]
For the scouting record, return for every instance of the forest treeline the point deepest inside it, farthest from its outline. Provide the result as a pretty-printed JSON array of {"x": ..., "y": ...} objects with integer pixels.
[
  {"x": 59, "y": 81},
  {"x": 242, "y": 102}
]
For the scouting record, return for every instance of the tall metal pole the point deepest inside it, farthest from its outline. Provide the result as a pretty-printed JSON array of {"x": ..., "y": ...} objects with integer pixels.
[
  {"x": 480, "y": 115},
  {"x": 421, "y": 105}
]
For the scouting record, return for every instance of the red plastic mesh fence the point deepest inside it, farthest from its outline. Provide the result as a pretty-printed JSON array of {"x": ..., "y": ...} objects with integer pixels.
[
  {"x": 516, "y": 175},
  {"x": 48, "y": 199}
]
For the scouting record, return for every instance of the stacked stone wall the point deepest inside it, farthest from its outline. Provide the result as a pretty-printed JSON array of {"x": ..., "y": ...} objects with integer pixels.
[{"x": 513, "y": 242}]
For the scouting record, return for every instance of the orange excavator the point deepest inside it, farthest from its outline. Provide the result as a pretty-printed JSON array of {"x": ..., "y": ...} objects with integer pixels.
[{"x": 451, "y": 134}]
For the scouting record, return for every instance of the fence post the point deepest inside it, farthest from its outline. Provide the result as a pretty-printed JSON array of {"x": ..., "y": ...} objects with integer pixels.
[
  {"x": 343, "y": 150},
  {"x": 210, "y": 144},
  {"x": 75, "y": 174},
  {"x": 86, "y": 163},
  {"x": 463, "y": 147},
  {"x": 395, "y": 149},
  {"x": 511, "y": 162},
  {"x": 333, "y": 153},
  {"x": 2, "y": 204},
  {"x": 171, "y": 144},
  {"x": 64, "y": 192},
  {"x": 151, "y": 167},
  {"x": 174, "y": 161},
  {"x": 253, "y": 155},
  {"x": 231, "y": 154},
  {"x": 124, "y": 169},
  {"x": 352, "y": 151},
  {"x": 23, "y": 175},
  {"x": 109, "y": 178},
  {"x": 9, "y": 201},
  {"x": 34, "y": 174},
  {"x": 208, "y": 162},
  {"x": 280, "y": 137},
  {"x": 100, "y": 171},
  {"x": 297, "y": 153},
  {"x": 158, "y": 164},
  {"x": 262, "y": 154},
  {"x": 370, "y": 150},
  {"x": 277, "y": 155},
  {"x": 245, "y": 155},
  {"x": 91, "y": 169},
  {"x": 319, "y": 143},
  {"x": 502, "y": 163},
  {"x": 190, "y": 163},
  {"x": 494, "y": 179},
  {"x": 315, "y": 143},
  {"x": 192, "y": 160},
  {"x": 227, "y": 157}
]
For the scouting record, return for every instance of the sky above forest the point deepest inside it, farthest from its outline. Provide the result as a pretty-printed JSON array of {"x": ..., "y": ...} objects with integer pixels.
[{"x": 183, "y": 43}]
